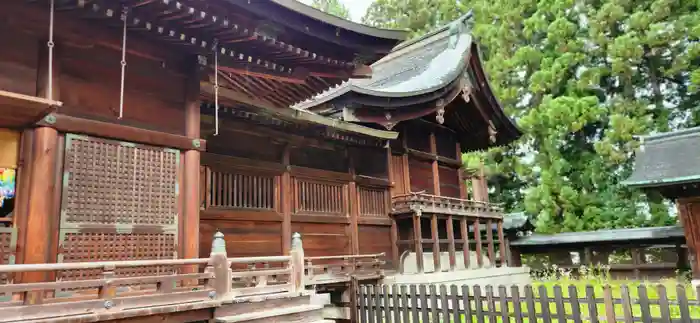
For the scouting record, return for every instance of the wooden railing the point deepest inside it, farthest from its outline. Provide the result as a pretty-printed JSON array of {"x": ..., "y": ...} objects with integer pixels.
[
  {"x": 468, "y": 231},
  {"x": 335, "y": 269},
  {"x": 193, "y": 284}
]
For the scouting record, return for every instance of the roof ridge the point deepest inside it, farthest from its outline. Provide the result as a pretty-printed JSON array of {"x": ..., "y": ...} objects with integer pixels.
[
  {"x": 672, "y": 134},
  {"x": 467, "y": 17}
]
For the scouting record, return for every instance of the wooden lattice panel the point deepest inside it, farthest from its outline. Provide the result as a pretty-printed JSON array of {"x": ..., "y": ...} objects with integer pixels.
[
  {"x": 373, "y": 202},
  {"x": 319, "y": 198},
  {"x": 97, "y": 246},
  {"x": 109, "y": 182},
  {"x": 7, "y": 249}
]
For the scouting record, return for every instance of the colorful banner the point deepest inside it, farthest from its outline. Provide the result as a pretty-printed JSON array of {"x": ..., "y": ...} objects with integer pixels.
[{"x": 7, "y": 184}]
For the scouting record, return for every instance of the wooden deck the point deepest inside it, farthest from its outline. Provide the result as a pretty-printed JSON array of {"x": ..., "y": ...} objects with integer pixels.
[{"x": 104, "y": 291}]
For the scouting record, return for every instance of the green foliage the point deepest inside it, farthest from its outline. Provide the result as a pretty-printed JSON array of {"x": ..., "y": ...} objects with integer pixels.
[
  {"x": 582, "y": 79},
  {"x": 333, "y": 7}
]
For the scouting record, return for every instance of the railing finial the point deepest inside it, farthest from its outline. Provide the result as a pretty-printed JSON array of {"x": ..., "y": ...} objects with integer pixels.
[
  {"x": 218, "y": 245},
  {"x": 296, "y": 241}
]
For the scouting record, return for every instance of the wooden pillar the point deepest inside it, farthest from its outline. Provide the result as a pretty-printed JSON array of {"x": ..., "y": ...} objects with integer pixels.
[
  {"x": 691, "y": 228},
  {"x": 40, "y": 215},
  {"x": 354, "y": 201},
  {"x": 436, "y": 169},
  {"x": 436, "y": 242},
  {"x": 394, "y": 225},
  {"x": 407, "y": 171},
  {"x": 636, "y": 261},
  {"x": 464, "y": 228},
  {"x": 192, "y": 163},
  {"x": 489, "y": 241},
  {"x": 501, "y": 243},
  {"x": 286, "y": 203},
  {"x": 451, "y": 240},
  {"x": 515, "y": 259},
  {"x": 418, "y": 241},
  {"x": 477, "y": 240},
  {"x": 41, "y": 187},
  {"x": 460, "y": 173}
]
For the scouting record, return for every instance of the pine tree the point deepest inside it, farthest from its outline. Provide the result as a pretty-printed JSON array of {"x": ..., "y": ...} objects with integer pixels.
[{"x": 582, "y": 79}]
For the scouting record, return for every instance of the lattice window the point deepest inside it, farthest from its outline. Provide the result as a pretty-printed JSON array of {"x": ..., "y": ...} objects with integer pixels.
[
  {"x": 109, "y": 182},
  {"x": 320, "y": 198},
  {"x": 241, "y": 191},
  {"x": 100, "y": 246},
  {"x": 120, "y": 202},
  {"x": 8, "y": 238},
  {"x": 373, "y": 202}
]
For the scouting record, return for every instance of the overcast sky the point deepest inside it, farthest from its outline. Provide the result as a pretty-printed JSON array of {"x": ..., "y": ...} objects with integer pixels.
[{"x": 357, "y": 7}]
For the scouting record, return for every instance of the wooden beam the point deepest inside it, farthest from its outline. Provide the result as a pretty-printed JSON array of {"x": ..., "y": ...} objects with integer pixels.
[
  {"x": 394, "y": 226},
  {"x": 501, "y": 243},
  {"x": 451, "y": 244},
  {"x": 464, "y": 229},
  {"x": 70, "y": 124},
  {"x": 418, "y": 242},
  {"x": 489, "y": 241},
  {"x": 478, "y": 247}
]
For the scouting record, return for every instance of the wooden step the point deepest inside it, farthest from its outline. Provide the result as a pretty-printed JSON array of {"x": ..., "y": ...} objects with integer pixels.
[{"x": 293, "y": 314}]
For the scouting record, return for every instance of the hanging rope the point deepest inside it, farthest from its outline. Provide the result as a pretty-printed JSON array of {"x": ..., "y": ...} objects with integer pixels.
[
  {"x": 50, "y": 44},
  {"x": 216, "y": 87},
  {"x": 125, "y": 12}
]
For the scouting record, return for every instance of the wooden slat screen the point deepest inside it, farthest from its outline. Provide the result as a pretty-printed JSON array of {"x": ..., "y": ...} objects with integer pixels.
[
  {"x": 119, "y": 202},
  {"x": 319, "y": 197},
  {"x": 373, "y": 202},
  {"x": 237, "y": 190}
]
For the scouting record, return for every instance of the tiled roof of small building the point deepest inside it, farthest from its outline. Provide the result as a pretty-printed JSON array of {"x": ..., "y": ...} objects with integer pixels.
[{"x": 667, "y": 159}]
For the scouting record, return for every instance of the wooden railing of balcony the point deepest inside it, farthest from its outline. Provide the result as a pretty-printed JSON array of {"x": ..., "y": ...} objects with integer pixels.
[
  {"x": 193, "y": 284},
  {"x": 468, "y": 226}
]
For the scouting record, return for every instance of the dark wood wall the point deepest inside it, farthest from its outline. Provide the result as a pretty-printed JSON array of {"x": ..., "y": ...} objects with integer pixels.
[{"x": 335, "y": 196}]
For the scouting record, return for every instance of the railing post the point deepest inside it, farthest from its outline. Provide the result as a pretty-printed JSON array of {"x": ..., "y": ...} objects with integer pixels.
[
  {"x": 297, "y": 277},
  {"x": 218, "y": 259},
  {"x": 107, "y": 292}
]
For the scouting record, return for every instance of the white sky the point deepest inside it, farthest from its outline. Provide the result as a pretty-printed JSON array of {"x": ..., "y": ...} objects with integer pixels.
[{"x": 357, "y": 7}]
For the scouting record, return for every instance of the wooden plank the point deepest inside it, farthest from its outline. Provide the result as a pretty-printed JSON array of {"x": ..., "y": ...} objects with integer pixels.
[
  {"x": 479, "y": 305},
  {"x": 415, "y": 305},
  {"x": 444, "y": 303},
  {"x": 405, "y": 306},
  {"x": 386, "y": 301},
  {"x": 503, "y": 297},
  {"x": 664, "y": 306},
  {"x": 424, "y": 306},
  {"x": 530, "y": 301},
  {"x": 436, "y": 243},
  {"x": 364, "y": 309},
  {"x": 575, "y": 306},
  {"x": 352, "y": 207},
  {"x": 627, "y": 303},
  {"x": 643, "y": 301},
  {"x": 434, "y": 306},
  {"x": 517, "y": 306},
  {"x": 371, "y": 301},
  {"x": 491, "y": 304},
  {"x": 454, "y": 301},
  {"x": 609, "y": 304},
  {"x": 544, "y": 303},
  {"x": 70, "y": 124},
  {"x": 378, "y": 312},
  {"x": 683, "y": 306},
  {"x": 396, "y": 303},
  {"x": 559, "y": 303},
  {"x": 466, "y": 305},
  {"x": 592, "y": 304}
]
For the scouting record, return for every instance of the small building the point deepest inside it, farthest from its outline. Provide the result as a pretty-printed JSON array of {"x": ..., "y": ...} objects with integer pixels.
[{"x": 667, "y": 163}]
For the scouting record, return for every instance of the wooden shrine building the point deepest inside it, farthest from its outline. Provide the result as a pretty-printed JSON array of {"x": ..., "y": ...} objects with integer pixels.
[
  {"x": 133, "y": 132},
  {"x": 667, "y": 163},
  {"x": 433, "y": 91}
]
